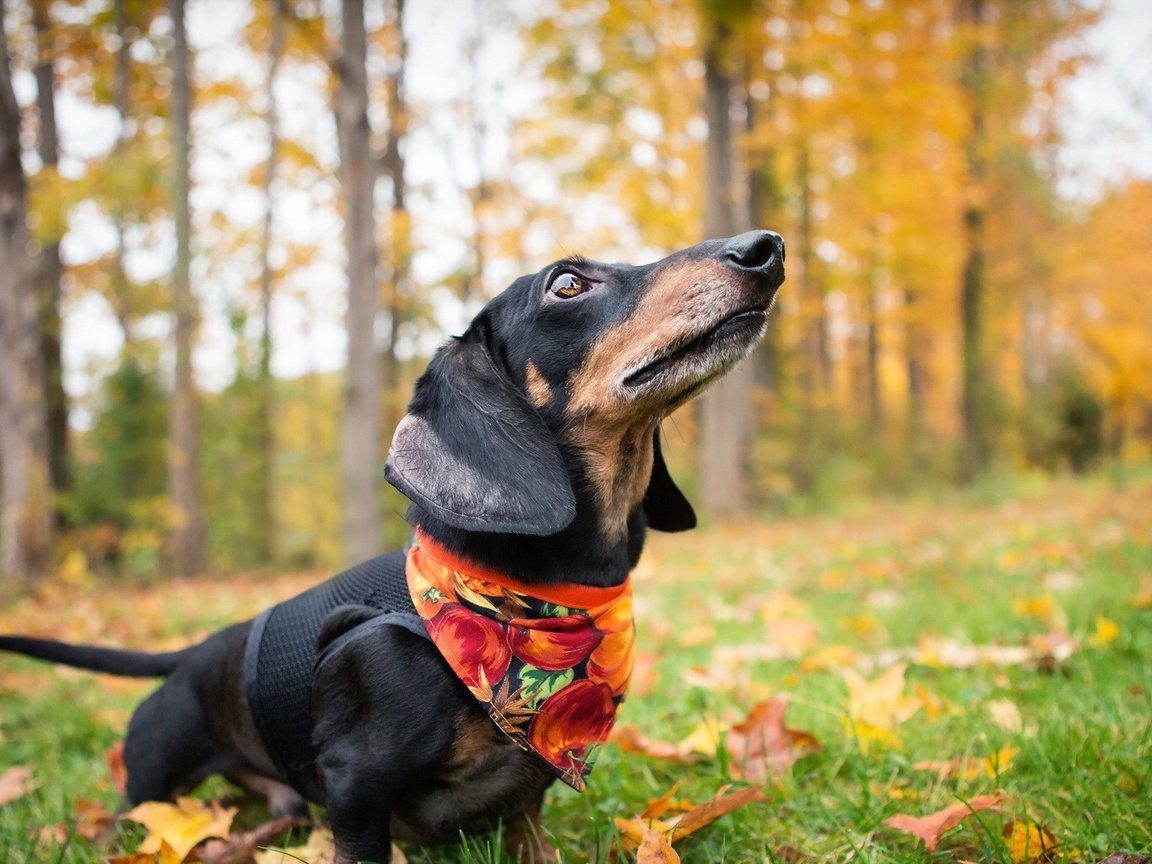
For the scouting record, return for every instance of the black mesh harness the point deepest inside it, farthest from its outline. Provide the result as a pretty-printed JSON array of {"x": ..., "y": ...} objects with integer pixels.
[{"x": 281, "y": 657}]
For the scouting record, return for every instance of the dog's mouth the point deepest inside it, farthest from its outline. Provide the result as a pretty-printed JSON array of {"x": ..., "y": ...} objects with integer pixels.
[{"x": 690, "y": 363}]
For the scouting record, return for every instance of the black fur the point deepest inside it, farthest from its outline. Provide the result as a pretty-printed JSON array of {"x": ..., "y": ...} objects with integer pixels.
[{"x": 496, "y": 472}]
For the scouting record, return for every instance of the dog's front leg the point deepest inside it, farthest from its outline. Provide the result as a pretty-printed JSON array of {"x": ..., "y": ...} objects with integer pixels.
[{"x": 360, "y": 817}]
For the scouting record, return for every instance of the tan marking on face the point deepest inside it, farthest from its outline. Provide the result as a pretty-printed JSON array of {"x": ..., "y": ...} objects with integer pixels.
[
  {"x": 672, "y": 307},
  {"x": 538, "y": 390},
  {"x": 614, "y": 433}
]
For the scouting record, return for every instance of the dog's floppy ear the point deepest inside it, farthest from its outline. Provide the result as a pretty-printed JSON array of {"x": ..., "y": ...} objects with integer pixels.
[
  {"x": 474, "y": 453},
  {"x": 664, "y": 504}
]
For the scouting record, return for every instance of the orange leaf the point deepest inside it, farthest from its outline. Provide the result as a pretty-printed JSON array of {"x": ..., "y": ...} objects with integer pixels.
[
  {"x": 630, "y": 739},
  {"x": 930, "y": 828},
  {"x": 15, "y": 783},
  {"x": 181, "y": 825},
  {"x": 657, "y": 807},
  {"x": 710, "y": 811},
  {"x": 116, "y": 770},
  {"x": 163, "y": 855},
  {"x": 761, "y": 746},
  {"x": 655, "y": 849}
]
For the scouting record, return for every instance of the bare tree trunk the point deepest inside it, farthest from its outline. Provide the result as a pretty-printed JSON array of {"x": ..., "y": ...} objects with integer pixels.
[
  {"x": 913, "y": 366},
  {"x": 120, "y": 292},
  {"x": 360, "y": 444},
  {"x": 872, "y": 349},
  {"x": 976, "y": 444},
  {"x": 724, "y": 410},
  {"x": 265, "y": 521},
  {"x": 187, "y": 541},
  {"x": 50, "y": 270},
  {"x": 25, "y": 477},
  {"x": 394, "y": 165}
]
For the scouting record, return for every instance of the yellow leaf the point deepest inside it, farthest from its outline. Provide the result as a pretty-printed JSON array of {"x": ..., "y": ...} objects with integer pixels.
[
  {"x": 1028, "y": 842},
  {"x": 655, "y": 848},
  {"x": 704, "y": 739},
  {"x": 319, "y": 849},
  {"x": 1042, "y": 608},
  {"x": 1106, "y": 631},
  {"x": 181, "y": 825},
  {"x": 877, "y": 707}
]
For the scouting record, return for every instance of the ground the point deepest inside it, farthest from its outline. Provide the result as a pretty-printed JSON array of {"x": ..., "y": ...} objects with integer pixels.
[{"x": 1004, "y": 639}]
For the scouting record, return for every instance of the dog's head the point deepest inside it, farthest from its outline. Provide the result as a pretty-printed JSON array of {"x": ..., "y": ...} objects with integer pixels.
[{"x": 550, "y": 402}]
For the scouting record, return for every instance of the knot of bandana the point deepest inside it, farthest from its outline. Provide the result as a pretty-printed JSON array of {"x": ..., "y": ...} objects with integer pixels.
[{"x": 550, "y": 664}]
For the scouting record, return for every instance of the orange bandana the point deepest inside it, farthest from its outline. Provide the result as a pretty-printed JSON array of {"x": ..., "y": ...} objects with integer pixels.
[{"x": 549, "y": 663}]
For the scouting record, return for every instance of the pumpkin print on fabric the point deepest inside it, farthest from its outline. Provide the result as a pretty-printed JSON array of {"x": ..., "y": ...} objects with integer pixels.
[{"x": 550, "y": 664}]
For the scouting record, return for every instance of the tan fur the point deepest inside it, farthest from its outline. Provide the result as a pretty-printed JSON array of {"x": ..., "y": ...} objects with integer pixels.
[
  {"x": 538, "y": 390},
  {"x": 614, "y": 433}
]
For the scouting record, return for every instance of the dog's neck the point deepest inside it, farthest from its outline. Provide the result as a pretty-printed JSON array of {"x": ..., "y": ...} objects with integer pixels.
[{"x": 581, "y": 554}]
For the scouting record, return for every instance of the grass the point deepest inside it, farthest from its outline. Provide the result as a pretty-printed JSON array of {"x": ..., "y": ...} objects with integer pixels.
[{"x": 728, "y": 616}]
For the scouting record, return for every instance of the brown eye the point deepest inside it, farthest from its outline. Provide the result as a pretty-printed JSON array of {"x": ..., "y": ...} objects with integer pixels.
[{"x": 567, "y": 285}]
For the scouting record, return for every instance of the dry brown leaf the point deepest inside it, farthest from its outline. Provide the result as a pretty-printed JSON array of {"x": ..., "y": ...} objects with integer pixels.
[
  {"x": 630, "y": 739},
  {"x": 710, "y": 811},
  {"x": 1028, "y": 842},
  {"x": 633, "y": 831},
  {"x": 181, "y": 825},
  {"x": 15, "y": 783},
  {"x": 1125, "y": 858},
  {"x": 931, "y": 827},
  {"x": 762, "y": 747},
  {"x": 117, "y": 773},
  {"x": 655, "y": 848},
  {"x": 92, "y": 818},
  {"x": 969, "y": 768}
]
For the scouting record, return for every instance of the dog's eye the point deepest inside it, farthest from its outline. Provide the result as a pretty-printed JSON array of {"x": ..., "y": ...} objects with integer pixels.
[{"x": 567, "y": 285}]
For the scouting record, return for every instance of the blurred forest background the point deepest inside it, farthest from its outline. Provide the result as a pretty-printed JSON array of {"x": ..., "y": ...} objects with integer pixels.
[{"x": 231, "y": 234}]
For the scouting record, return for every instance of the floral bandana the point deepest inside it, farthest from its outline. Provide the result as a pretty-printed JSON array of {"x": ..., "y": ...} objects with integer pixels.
[{"x": 549, "y": 663}]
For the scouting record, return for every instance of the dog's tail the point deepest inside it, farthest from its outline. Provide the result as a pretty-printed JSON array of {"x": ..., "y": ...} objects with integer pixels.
[{"x": 113, "y": 661}]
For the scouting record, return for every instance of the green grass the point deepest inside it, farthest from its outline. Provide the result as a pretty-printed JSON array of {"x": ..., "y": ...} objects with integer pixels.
[{"x": 865, "y": 587}]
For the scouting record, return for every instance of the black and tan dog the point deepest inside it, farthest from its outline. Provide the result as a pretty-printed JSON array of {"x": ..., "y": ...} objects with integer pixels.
[{"x": 529, "y": 450}]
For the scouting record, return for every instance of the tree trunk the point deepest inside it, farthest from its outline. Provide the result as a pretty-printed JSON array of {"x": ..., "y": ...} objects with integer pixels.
[
  {"x": 187, "y": 541},
  {"x": 360, "y": 443},
  {"x": 50, "y": 270},
  {"x": 400, "y": 289},
  {"x": 25, "y": 476},
  {"x": 976, "y": 444},
  {"x": 724, "y": 411},
  {"x": 914, "y": 366},
  {"x": 266, "y": 516}
]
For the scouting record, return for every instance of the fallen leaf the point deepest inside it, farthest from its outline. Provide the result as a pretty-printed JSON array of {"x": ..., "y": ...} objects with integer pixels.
[
  {"x": 877, "y": 707},
  {"x": 655, "y": 848},
  {"x": 318, "y": 850},
  {"x": 702, "y": 634},
  {"x": 15, "y": 783},
  {"x": 968, "y": 768},
  {"x": 634, "y": 830},
  {"x": 1028, "y": 842},
  {"x": 117, "y": 773},
  {"x": 762, "y": 747},
  {"x": 1042, "y": 608},
  {"x": 705, "y": 814},
  {"x": 657, "y": 807},
  {"x": 242, "y": 848},
  {"x": 703, "y": 739},
  {"x": 1006, "y": 715},
  {"x": 630, "y": 739},
  {"x": 931, "y": 827},
  {"x": 1125, "y": 858},
  {"x": 1106, "y": 630},
  {"x": 181, "y": 825},
  {"x": 92, "y": 818},
  {"x": 645, "y": 673},
  {"x": 163, "y": 855}
]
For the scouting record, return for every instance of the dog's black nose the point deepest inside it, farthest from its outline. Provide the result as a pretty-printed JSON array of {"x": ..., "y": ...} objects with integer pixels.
[{"x": 755, "y": 250}]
